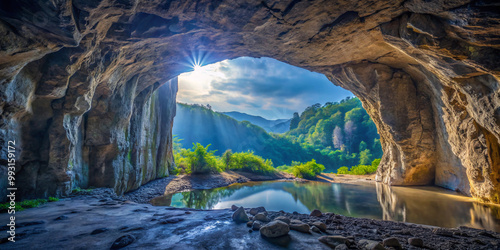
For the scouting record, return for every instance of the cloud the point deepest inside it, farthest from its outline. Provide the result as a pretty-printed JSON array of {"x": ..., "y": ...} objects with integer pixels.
[{"x": 258, "y": 86}]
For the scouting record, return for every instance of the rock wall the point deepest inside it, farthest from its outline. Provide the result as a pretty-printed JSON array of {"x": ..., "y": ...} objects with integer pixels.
[{"x": 78, "y": 81}]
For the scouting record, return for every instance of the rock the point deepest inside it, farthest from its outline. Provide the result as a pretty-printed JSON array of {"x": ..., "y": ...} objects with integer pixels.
[
  {"x": 256, "y": 225},
  {"x": 249, "y": 223},
  {"x": 261, "y": 217},
  {"x": 334, "y": 240},
  {"x": 320, "y": 225},
  {"x": 315, "y": 229},
  {"x": 234, "y": 207},
  {"x": 341, "y": 247},
  {"x": 123, "y": 241},
  {"x": 299, "y": 226},
  {"x": 370, "y": 245},
  {"x": 417, "y": 242},
  {"x": 240, "y": 215},
  {"x": 316, "y": 213},
  {"x": 284, "y": 219},
  {"x": 256, "y": 210},
  {"x": 392, "y": 242},
  {"x": 274, "y": 229}
]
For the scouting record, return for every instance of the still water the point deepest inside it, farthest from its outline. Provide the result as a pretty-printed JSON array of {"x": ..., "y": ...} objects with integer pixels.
[{"x": 422, "y": 205}]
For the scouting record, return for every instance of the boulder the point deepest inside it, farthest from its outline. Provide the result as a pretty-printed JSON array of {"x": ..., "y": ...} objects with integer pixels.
[
  {"x": 316, "y": 213},
  {"x": 262, "y": 217},
  {"x": 320, "y": 225},
  {"x": 240, "y": 215},
  {"x": 334, "y": 240},
  {"x": 370, "y": 245},
  {"x": 300, "y": 227},
  {"x": 417, "y": 242},
  {"x": 274, "y": 229},
  {"x": 256, "y": 225},
  {"x": 315, "y": 229},
  {"x": 284, "y": 219},
  {"x": 256, "y": 210},
  {"x": 392, "y": 242},
  {"x": 234, "y": 207}
]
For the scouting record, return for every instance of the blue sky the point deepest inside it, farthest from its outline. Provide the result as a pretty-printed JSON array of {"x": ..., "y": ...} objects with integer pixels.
[{"x": 257, "y": 86}]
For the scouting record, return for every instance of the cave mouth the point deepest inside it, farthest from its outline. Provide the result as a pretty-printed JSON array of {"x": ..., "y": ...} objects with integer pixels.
[
  {"x": 332, "y": 129},
  {"x": 84, "y": 92}
]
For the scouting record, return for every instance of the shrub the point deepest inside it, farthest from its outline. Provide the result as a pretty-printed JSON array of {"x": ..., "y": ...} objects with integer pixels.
[
  {"x": 249, "y": 162},
  {"x": 202, "y": 161},
  {"x": 307, "y": 170},
  {"x": 360, "y": 169},
  {"x": 52, "y": 199}
]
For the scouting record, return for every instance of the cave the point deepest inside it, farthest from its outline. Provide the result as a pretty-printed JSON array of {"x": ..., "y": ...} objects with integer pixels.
[{"x": 88, "y": 88}]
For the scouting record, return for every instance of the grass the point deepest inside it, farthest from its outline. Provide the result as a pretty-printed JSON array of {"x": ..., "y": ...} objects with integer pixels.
[{"x": 20, "y": 206}]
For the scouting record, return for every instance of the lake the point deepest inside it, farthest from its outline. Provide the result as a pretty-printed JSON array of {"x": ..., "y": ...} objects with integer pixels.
[{"x": 422, "y": 205}]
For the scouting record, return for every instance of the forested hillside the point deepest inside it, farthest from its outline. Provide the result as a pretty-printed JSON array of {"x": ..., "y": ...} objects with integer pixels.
[{"x": 335, "y": 135}]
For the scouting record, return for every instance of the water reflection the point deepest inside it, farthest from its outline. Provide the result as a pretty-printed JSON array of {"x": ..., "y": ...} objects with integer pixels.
[{"x": 423, "y": 205}]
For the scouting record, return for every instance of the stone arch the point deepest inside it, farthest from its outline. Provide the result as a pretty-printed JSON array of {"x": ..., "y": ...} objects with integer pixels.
[{"x": 84, "y": 80}]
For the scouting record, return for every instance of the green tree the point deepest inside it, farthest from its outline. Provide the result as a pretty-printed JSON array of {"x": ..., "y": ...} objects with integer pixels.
[{"x": 294, "y": 123}]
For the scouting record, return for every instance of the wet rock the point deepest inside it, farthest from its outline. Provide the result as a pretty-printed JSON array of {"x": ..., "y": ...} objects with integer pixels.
[
  {"x": 334, "y": 240},
  {"x": 234, "y": 207},
  {"x": 392, "y": 242},
  {"x": 261, "y": 217},
  {"x": 99, "y": 230},
  {"x": 240, "y": 215},
  {"x": 256, "y": 225},
  {"x": 315, "y": 229},
  {"x": 320, "y": 225},
  {"x": 370, "y": 245},
  {"x": 256, "y": 210},
  {"x": 299, "y": 226},
  {"x": 249, "y": 223},
  {"x": 274, "y": 229},
  {"x": 123, "y": 241},
  {"x": 417, "y": 242},
  {"x": 284, "y": 219},
  {"x": 316, "y": 213}
]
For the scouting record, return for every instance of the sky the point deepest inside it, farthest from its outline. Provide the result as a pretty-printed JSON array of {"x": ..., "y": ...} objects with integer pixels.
[{"x": 258, "y": 86}]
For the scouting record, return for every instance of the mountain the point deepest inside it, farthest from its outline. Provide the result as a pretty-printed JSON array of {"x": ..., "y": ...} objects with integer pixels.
[
  {"x": 275, "y": 126},
  {"x": 335, "y": 135}
]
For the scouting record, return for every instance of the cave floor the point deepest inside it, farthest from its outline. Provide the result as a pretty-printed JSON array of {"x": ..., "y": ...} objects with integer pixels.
[{"x": 96, "y": 222}]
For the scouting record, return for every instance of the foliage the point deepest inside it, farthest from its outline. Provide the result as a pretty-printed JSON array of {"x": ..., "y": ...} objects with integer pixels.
[
  {"x": 200, "y": 160},
  {"x": 360, "y": 169},
  {"x": 249, "y": 162},
  {"x": 20, "y": 206},
  {"x": 307, "y": 170},
  {"x": 52, "y": 199},
  {"x": 335, "y": 134}
]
